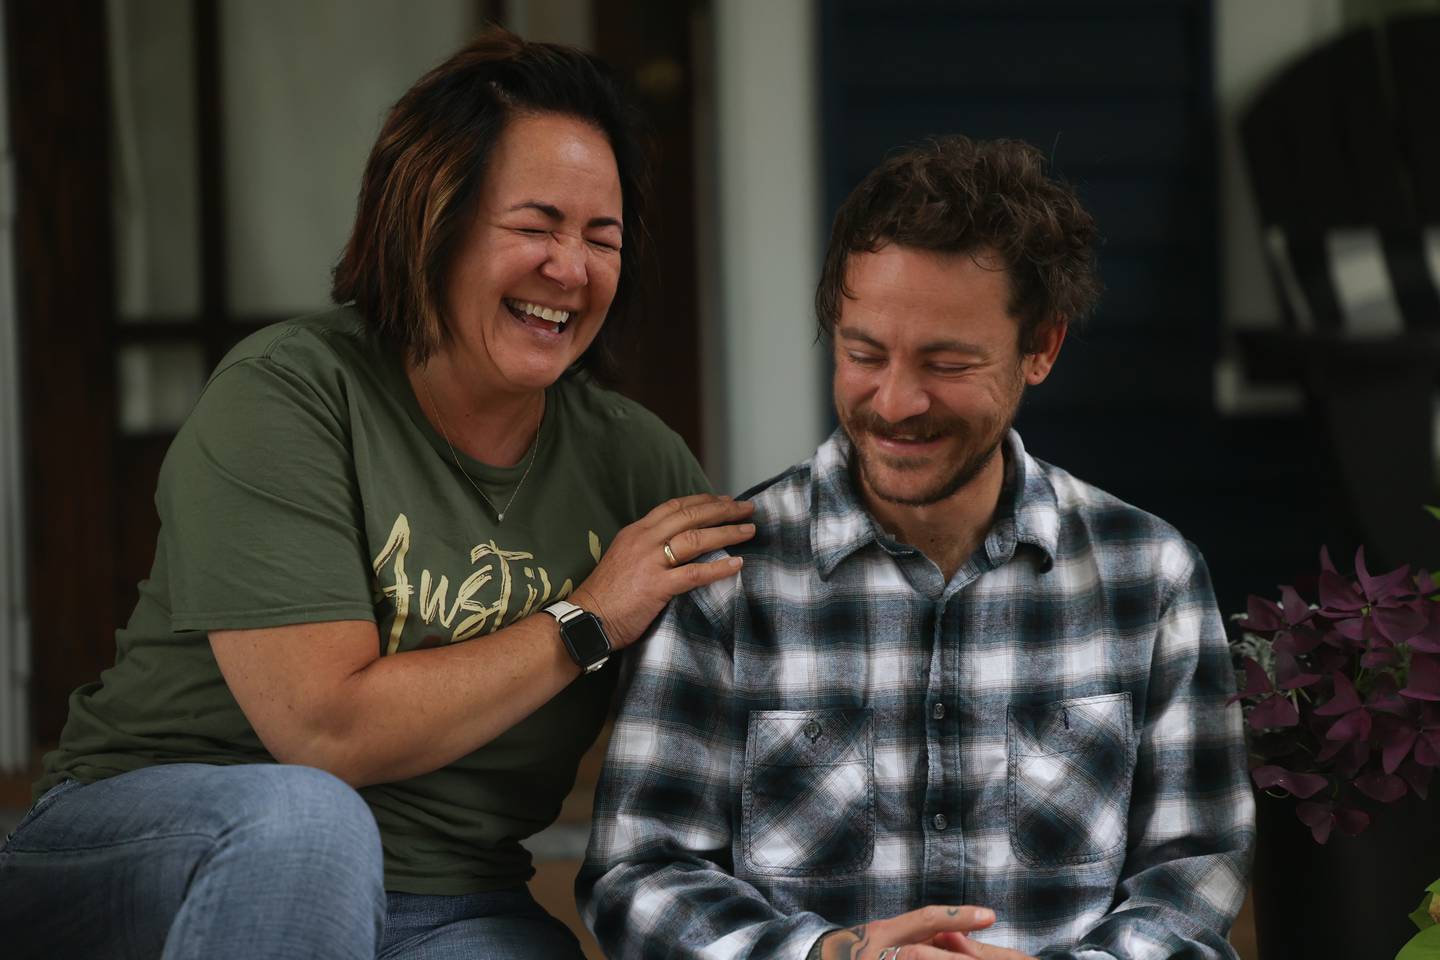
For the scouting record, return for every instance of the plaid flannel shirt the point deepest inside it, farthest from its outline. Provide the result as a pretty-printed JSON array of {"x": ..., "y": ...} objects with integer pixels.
[{"x": 837, "y": 735}]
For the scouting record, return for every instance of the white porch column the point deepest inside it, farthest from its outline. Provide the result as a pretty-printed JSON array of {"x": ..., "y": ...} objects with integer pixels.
[{"x": 766, "y": 408}]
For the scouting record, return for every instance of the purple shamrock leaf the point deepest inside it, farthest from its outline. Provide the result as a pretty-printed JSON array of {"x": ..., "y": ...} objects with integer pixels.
[
  {"x": 1417, "y": 777},
  {"x": 1290, "y": 674},
  {"x": 1385, "y": 787},
  {"x": 1355, "y": 725},
  {"x": 1384, "y": 695},
  {"x": 1339, "y": 595},
  {"x": 1399, "y": 624},
  {"x": 1262, "y": 615},
  {"x": 1356, "y": 630},
  {"x": 1257, "y": 681},
  {"x": 1395, "y": 744},
  {"x": 1428, "y": 640},
  {"x": 1424, "y": 678},
  {"x": 1362, "y": 574},
  {"x": 1390, "y": 586},
  {"x": 1296, "y": 609},
  {"x": 1427, "y": 748},
  {"x": 1425, "y": 583},
  {"x": 1347, "y": 757},
  {"x": 1328, "y": 660},
  {"x": 1344, "y": 700},
  {"x": 1380, "y": 654},
  {"x": 1319, "y": 817},
  {"x": 1274, "y": 711},
  {"x": 1302, "y": 785},
  {"x": 1297, "y": 640}
]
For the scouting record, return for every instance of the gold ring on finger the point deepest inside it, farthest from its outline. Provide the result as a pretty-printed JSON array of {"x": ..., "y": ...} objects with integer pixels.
[{"x": 670, "y": 555}]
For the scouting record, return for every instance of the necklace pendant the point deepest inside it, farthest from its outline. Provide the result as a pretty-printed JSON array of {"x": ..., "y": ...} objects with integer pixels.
[{"x": 499, "y": 518}]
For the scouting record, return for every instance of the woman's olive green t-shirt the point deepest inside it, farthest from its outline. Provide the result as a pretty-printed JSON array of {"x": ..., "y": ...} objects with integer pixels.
[{"x": 307, "y": 486}]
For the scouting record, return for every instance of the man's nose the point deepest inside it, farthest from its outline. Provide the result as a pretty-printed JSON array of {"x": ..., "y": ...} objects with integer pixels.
[
  {"x": 566, "y": 263},
  {"x": 900, "y": 395}
]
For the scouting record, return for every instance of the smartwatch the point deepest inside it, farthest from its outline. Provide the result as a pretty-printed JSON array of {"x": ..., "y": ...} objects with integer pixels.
[{"x": 582, "y": 634}]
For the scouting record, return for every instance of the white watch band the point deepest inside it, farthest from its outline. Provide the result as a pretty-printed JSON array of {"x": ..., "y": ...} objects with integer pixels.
[{"x": 563, "y": 610}]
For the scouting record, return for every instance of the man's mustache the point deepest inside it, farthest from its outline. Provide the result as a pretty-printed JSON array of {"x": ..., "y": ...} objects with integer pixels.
[{"x": 922, "y": 427}]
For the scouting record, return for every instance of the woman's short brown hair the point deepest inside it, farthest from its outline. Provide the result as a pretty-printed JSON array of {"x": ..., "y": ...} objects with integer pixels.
[
  {"x": 423, "y": 178},
  {"x": 956, "y": 195}
]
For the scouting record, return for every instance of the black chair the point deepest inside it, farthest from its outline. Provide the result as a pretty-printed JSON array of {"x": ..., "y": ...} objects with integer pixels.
[{"x": 1343, "y": 149}]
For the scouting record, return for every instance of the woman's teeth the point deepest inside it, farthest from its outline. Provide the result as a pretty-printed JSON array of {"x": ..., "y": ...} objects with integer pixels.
[{"x": 523, "y": 308}]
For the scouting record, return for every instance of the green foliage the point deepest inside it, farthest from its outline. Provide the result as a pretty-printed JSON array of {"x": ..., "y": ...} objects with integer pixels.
[{"x": 1425, "y": 945}]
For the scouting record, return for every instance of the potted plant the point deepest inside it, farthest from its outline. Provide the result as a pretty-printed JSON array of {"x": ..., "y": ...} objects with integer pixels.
[{"x": 1341, "y": 695}]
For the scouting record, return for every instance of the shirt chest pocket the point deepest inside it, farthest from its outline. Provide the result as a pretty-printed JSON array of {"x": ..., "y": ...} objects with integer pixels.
[
  {"x": 1070, "y": 767},
  {"x": 809, "y": 792}
]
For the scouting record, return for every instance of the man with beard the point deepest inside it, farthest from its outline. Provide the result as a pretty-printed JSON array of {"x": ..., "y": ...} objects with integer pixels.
[{"x": 957, "y": 702}]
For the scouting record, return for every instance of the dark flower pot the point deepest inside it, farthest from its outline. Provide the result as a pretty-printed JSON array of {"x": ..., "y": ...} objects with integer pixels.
[{"x": 1351, "y": 898}]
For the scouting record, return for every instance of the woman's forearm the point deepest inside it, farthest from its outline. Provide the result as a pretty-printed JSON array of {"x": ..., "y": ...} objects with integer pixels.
[{"x": 317, "y": 695}]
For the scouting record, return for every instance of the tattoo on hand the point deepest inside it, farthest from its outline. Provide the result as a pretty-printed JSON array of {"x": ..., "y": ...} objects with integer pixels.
[
  {"x": 952, "y": 911},
  {"x": 851, "y": 951}
]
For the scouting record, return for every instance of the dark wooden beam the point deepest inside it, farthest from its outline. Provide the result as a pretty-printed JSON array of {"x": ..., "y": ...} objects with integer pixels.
[
  {"x": 60, "y": 120},
  {"x": 648, "y": 41},
  {"x": 210, "y": 177}
]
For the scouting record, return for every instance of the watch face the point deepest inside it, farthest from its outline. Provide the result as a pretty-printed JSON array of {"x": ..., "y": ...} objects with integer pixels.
[{"x": 586, "y": 639}]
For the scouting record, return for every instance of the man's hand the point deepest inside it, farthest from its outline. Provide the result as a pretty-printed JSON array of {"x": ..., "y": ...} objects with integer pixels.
[
  {"x": 916, "y": 935},
  {"x": 965, "y": 947}
]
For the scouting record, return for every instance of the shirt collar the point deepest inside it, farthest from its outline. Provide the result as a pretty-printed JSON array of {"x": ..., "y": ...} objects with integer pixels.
[{"x": 1028, "y": 511}]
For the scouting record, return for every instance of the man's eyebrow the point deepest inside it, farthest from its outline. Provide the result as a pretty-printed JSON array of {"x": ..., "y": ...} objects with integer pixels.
[
  {"x": 934, "y": 346},
  {"x": 552, "y": 212},
  {"x": 850, "y": 333}
]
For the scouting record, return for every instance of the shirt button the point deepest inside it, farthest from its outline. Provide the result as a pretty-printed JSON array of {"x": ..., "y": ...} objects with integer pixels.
[
  {"x": 812, "y": 731},
  {"x": 940, "y": 822},
  {"x": 938, "y": 711}
]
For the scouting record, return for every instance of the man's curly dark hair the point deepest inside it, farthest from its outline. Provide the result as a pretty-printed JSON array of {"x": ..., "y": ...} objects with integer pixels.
[{"x": 956, "y": 195}]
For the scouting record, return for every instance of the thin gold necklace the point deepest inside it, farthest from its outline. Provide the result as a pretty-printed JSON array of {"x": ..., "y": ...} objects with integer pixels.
[{"x": 440, "y": 420}]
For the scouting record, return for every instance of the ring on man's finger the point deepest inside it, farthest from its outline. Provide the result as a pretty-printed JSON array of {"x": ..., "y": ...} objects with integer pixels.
[
  {"x": 670, "y": 555},
  {"x": 890, "y": 953}
]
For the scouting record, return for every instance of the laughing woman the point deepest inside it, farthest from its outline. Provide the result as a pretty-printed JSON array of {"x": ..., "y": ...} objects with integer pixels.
[{"x": 399, "y": 541}]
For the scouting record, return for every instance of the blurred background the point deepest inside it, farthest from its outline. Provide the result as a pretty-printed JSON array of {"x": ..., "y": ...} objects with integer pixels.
[{"x": 1261, "y": 371}]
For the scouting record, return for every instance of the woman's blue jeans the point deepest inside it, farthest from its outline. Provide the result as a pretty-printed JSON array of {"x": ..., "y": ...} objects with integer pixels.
[{"x": 254, "y": 861}]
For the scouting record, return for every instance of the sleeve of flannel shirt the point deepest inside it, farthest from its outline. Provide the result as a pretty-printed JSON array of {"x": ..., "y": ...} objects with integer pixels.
[
  {"x": 1192, "y": 814},
  {"x": 658, "y": 880}
]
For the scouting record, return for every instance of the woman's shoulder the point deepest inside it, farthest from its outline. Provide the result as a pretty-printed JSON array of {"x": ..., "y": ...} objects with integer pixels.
[
  {"x": 316, "y": 370},
  {"x": 612, "y": 429},
  {"x": 602, "y": 412},
  {"x": 335, "y": 337}
]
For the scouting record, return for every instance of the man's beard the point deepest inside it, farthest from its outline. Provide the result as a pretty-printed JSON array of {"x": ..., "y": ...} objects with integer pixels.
[{"x": 978, "y": 447}]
